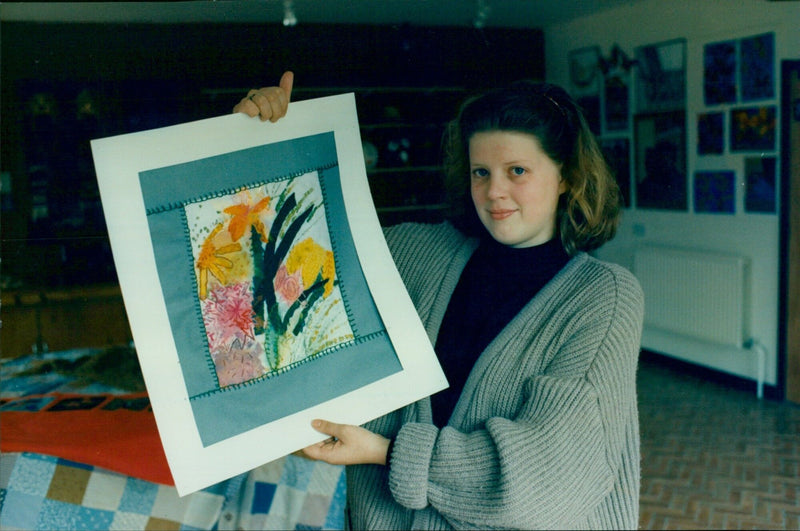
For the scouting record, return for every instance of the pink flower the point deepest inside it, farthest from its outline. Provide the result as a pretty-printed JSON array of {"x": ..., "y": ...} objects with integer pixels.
[
  {"x": 237, "y": 365},
  {"x": 228, "y": 315},
  {"x": 289, "y": 287}
]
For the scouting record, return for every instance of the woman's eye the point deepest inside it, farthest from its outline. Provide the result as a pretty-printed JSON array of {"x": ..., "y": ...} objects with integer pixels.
[
  {"x": 518, "y": 170},
  {"x": 480, "y": 172}
]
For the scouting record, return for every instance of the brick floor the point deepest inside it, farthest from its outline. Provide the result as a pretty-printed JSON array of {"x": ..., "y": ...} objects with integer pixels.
[{"x": 714, "y": 457}]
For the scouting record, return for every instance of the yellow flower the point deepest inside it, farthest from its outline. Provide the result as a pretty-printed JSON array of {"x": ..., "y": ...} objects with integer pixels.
[
  {"x": 313, "y": 261},
  {"x": 212, "y": 261}
]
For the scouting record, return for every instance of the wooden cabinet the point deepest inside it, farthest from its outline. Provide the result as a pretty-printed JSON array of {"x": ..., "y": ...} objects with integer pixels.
[{"x": 62, "y": 319}]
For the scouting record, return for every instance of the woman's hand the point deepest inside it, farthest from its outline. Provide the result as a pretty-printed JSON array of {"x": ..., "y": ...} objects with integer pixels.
[
  {"x": 347, "y": 445},
  {"x": 269, "y": 103}
]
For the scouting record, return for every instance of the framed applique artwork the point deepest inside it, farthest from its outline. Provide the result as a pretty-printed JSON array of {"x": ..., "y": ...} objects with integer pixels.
[
  {"x": 715, "y": 192},
  {"x": 757, "y": 71},
  {"x": 753, "y": 128},
  {"x": 258, "y": 285},
  {"x": 710, "y": 133},
  {"x": 719, "y": 72},
  {"x": 760, "y": 185}
]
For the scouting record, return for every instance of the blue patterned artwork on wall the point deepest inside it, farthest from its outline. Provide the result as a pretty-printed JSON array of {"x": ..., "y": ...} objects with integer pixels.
[
  {"x": 757, "y": 67},
  {"x": 719, "y": 72},
  {"x": 753, "y": 128},
  {"x": 715, "y": 192},
  {"x": 759, "y": 176},
  {"x": 710, "y": 133}
]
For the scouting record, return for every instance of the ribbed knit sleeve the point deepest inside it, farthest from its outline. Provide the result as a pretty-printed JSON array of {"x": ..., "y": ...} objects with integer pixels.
[{"x": 543, "y": 470}]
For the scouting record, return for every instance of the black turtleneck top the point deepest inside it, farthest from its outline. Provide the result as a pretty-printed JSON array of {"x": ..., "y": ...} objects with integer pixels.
[{"x": 497, "y": 282}]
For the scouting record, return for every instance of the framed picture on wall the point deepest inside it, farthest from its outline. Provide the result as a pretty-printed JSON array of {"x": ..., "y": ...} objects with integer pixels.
[
  {"x": 584, "y": 71},
  {"x": 759, "y": 180},
  {"x": 661, "y": 76},
  {"x": 757, "y": 67},
  {"x": 590, "y": 105},
  {"x": 715, "y": 192},
  {"x": 710, "y": 133},
  {"x": 719, "y": 72},
  {"x": 617, "y": 104},
  {"x": 618, "y": 155},
  {"x": 660, "y": 152},
  {"x": 753, "y": 128}
]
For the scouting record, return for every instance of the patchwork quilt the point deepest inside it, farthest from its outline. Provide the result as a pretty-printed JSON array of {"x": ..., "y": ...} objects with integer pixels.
[{"x": 50, "y": 485}]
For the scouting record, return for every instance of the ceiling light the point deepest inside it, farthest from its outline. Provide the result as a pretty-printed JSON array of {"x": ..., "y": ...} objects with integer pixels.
[
  {"x": 482, "y": 14},
  {"x": 289, "y": 18}
]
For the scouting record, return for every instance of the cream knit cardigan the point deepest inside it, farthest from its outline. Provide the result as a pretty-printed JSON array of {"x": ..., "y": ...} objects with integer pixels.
[{"x": 545, "y": 433}]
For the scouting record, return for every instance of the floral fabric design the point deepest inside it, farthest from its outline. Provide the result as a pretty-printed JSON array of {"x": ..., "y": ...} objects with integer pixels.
[{"x": 266, "y": 278}]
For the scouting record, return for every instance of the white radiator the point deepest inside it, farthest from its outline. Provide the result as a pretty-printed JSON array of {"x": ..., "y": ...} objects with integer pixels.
[{"x": 697, "y": 294}]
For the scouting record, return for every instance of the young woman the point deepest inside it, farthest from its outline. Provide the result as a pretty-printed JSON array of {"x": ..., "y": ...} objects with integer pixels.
[{"x": 539, "y": 428}]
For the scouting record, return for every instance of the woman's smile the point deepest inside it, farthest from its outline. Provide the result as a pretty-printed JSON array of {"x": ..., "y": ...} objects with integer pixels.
[{"x": 500, "y": 214}]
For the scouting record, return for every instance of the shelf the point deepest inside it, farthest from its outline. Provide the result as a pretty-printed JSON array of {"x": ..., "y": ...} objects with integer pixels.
[
  {"x": 401, "y": 125},
  {"x": 412, "y": 208},
  {"x": 340, "y": 90},
  {"x": 403, "y": 169}
]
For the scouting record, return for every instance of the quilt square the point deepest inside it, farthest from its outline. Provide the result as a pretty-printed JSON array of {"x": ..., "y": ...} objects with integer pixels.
[
  {"x": 21, "y": 510},
  {"x": 203, "y": 510},
  {"x": 67, "y": 516},
  {"x": 335, "y": 518},
  {"x": 297, "y": 472},
  {"x": 315, "y": 511},
  {"x": 138, "y": 496},
  {"x": 104, "y": 491},
  {"x": 68, "y": 484},
  {"x": 263, "y": 494},
  {"x": 126, "y": 521},
  {"x": 32, "y": 474}
]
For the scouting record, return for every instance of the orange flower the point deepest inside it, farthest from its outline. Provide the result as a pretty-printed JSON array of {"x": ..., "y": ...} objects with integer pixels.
[
  {"x": 212, "y": 261},
  {"x": 245, "y": 216}
]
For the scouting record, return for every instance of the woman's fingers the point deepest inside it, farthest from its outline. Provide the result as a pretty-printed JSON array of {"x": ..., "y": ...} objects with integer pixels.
[
  {"x": 347, "y": 445},
  {"x": 286, "y": 83},
  {"x": 328, "y": 428},
  {"x": 247, "y": 107},
  {"x": 268, "y": 103}
]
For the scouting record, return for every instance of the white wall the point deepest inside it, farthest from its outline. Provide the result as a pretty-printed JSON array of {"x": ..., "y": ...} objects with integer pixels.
[{"x": 747, "y": 234}]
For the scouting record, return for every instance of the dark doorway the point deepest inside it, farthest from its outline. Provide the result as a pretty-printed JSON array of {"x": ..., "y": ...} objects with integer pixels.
[{"x": 789, "y": 297}]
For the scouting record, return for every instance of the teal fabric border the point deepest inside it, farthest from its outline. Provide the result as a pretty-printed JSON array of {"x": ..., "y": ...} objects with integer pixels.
[{"x": 224, "y": 413}]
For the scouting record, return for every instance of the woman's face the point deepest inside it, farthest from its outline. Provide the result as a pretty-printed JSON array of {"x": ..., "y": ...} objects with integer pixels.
[{"x": 515, "y": 187}]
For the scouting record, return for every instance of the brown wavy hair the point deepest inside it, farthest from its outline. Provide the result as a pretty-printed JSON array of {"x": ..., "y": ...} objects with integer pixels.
[{"x": 588, "y": 212}]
